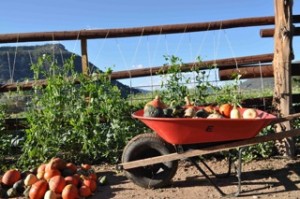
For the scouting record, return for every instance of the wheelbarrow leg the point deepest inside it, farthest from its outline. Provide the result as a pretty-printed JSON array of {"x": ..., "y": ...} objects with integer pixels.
[
  {"x": 206, "y": 176},
  {"x": 219, "y": 175},
  {"x": 239, "y": 173}
]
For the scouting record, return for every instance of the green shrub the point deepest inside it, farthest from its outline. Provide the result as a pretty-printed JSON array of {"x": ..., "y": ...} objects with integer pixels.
[{"x": 88, "y": 122}]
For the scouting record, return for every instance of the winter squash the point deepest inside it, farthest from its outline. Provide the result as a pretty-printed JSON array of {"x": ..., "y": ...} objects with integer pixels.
[
  {"x": 71, "y": 180},
  {"x": 235, "y": 113},
  {"x": 250, "y": 113},
  {"x": 214, "y": 115},
  {"x": 189, "y": 108},
  {"x": 57, "y": 183},
  {"x": 19, "y": 186},
  {"x": 151, "y": 111},
  {"x": 225, "y": 109},
  {"x": 209, "y": 108},
  {"x": 40, "y": 175},
  {"x": 201, "y": 113},
  {"x": 30, "y": 180},
  {"x": 41, "y": 168},
  {"x": 86, "y": 166},
  {"x": 70, "y": 192},
  {"x": 56, "y": 163},
  {"x": 157, "y": 103},
  {"x": 177, "y": 109},
  {"x": 11, "y": 192},
  {"x": 11, "y": 176},
  {"x": 50, "y": 173},
  {"x": 72, "y": 167},
  {"x": 85, "y": 191},
  {"x": 26, "y": 192},
  {"x": 93, "y": 176},
  {"x": 38, "y": 189},
  {"x": 50, "y": 195},
  {"x": 90, "y": 183}
]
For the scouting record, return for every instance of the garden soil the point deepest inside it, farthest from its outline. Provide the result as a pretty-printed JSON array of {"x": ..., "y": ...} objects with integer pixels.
[{"x": 268, "y": 178}]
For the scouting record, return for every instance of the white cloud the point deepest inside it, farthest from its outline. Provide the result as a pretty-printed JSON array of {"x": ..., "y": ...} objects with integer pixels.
[{"x": 139, "y": 66}]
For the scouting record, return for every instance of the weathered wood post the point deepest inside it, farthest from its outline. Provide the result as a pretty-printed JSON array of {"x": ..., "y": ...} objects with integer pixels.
[
  {"x": 84, "y": 56},
  {"x": 282, "y": 70}
]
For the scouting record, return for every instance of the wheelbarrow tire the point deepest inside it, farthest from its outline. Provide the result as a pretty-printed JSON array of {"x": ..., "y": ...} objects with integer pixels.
[{"x": 146, "y": 146}]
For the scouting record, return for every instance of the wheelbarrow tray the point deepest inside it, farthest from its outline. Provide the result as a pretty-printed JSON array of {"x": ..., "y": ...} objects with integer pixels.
[{"x": 204, "y": 130}]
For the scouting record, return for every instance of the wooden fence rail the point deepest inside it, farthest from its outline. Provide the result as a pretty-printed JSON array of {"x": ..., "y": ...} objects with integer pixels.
[{"x": 139, "y": 31}]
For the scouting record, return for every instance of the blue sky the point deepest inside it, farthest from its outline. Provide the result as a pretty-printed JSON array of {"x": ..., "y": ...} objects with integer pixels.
[{"x": 18, "y": 16}]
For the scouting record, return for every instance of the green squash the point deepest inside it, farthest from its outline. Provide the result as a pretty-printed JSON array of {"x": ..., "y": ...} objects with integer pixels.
[
  {"x": 19, "y": 186},
  {"x": 202, "y": 113},
  {"x": 151, "y": 111},
  {"x": 168, "y": 112}
]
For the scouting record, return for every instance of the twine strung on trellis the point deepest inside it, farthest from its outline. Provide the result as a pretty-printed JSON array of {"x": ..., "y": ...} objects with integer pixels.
[
  {"x": 101, "y": 47},
  {"x": 262, "y": 84},
  {"x": 14, "y": 63}
]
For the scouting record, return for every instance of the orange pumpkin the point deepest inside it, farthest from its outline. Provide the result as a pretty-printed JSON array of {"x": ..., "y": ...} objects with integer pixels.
[
  {"x": 70, "y": 192},
  {"x": 93, "y": 176},
  {"x": 86, "y": 166},
  {"x": 85, "y": 191},
  {"x": 10, "y": 177},
  {"x": 56, "y": 163},
  {"x": 157, "y": 103},
  {"x": 57, "y": 184},
  {"x": 50, "y": 173},
  {"x": 41, "y": 168},
  {"x": 71, "y": 166},
  {"x": 71, "y": 180},
  {"x": 76, "y": 178},
  {"x": 90, "y": 183},
  {"x": 225, "y": 109},
  {"x": 38, "y": 189}
]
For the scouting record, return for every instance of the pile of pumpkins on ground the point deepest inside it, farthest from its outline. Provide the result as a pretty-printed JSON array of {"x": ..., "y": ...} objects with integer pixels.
[
  {"x": 52, "y": 180},
  {"x": 157, "y": 108}
]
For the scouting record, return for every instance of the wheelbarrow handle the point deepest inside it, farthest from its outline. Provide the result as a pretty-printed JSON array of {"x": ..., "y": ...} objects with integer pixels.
[{"x": 285, "y": 118}]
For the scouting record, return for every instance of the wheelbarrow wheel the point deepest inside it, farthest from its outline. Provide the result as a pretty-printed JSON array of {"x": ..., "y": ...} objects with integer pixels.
[{"x": 146, "y": 146}]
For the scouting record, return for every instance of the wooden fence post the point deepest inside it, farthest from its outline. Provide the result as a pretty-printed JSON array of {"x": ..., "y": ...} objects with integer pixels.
[
  {"x": 84, "y": 56},
  {"x": 282, "y": 100}
]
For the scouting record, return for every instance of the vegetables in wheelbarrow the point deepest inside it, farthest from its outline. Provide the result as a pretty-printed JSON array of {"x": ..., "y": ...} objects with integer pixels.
[
  {"x": 235, "y": 113},
  {"x": 202, "y": 113},
  {"x": 151, "y": 111},
  {"x": 250, "y": 113},
  {"x": 189, "y": 108},
  {"x": 225, "y": 109},
  {"x": 156, "y": 102},
  {"x": 177, "y": 109},
  {"x": 154, "y": 108},
  {"x": 215, "y": 115}
]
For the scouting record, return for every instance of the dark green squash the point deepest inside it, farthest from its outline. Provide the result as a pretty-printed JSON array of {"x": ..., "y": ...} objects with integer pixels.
[
  {"x": 2, "y": 192},
  {"x": 202, "y": 113},
  {"x": 168, "y": 112},
  {"x": 19, "y": 186},
  {"x": 151, "y": 111}
]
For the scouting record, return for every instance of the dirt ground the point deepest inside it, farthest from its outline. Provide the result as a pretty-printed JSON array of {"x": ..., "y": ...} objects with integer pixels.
[{"x": 269, "y": 178}]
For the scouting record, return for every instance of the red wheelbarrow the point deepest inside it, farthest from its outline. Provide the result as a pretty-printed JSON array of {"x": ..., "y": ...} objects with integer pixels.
[{"x": 150, "y": 160}]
